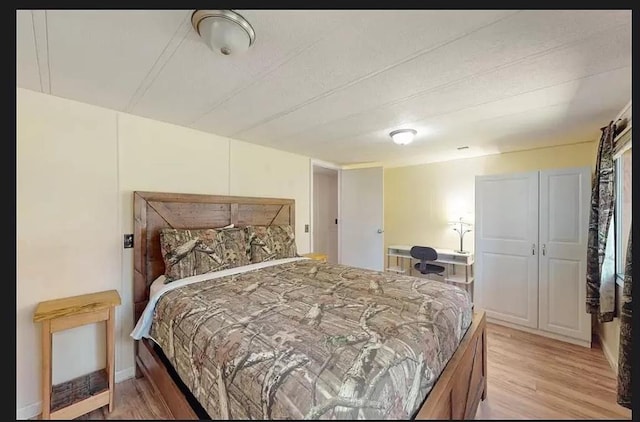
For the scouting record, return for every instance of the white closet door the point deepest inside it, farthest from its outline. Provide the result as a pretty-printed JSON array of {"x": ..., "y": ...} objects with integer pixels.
[
  {"x": 564, "y": 207},
  {"x": 506, "y": 247}
]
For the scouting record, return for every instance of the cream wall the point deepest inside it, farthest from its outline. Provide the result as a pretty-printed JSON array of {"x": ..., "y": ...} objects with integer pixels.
[
  {"x": 67, "y": 228},
  {"x": 261, "y": 171},
  {"x": 420, "y": 200},
  {"x": 77, "y": 166}
]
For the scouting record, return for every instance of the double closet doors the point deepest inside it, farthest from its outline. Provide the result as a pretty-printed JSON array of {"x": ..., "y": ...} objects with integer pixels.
[{"x": 531, "y": 247}]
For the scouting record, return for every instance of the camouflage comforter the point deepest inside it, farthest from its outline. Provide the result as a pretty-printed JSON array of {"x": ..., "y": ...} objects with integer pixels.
[{"x": 311, "y": 340}]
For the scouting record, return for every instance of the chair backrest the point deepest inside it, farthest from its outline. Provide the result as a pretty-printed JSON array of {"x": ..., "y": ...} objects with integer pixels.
[{"x": 424, "y": 253}]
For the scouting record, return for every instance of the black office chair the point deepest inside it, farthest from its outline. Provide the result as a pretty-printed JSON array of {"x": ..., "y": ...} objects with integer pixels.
[{"x": 424, "y": 254}]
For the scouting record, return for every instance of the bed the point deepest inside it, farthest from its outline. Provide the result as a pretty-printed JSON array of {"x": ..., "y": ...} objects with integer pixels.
[{"x": 295, "y": 338}]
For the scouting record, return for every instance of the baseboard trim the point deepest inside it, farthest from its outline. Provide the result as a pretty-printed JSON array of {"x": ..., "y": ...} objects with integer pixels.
[
  {"x": 608, "y": 355},
  {"x": 542, "y": 333},
  {"x": 34, "y": 409},
  {"x": 29, "y": 411}
]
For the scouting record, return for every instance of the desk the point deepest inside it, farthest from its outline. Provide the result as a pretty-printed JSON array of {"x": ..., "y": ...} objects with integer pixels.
[{"x": 450, "y": 258}]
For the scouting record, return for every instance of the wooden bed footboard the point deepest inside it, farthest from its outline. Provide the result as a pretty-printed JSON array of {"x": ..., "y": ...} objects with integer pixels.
[
  {"x": 463, "y": 383},
  {"x": 456, "y": 394}
]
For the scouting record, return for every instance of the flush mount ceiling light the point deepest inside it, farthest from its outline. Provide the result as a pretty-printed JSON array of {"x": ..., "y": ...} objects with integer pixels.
[
  {"x": 403, "y": 136},
  {"x": 224, "y": 31}
]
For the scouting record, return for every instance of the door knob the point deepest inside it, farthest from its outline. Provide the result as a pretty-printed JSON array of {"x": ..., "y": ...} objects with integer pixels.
[{"x": 380, "y": 230}]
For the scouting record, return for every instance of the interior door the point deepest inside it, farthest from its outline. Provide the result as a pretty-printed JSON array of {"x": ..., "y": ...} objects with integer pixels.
[
  {"x": 361, "y": 213},
  {"x": 506, "y": 247},
  {"x": 564, "y": 207}
]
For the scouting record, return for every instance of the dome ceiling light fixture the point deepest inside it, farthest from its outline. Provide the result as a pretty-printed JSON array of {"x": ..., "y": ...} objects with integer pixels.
[
  {"x": 403, "y": 136},
  {"x": 224, "y": 31}
]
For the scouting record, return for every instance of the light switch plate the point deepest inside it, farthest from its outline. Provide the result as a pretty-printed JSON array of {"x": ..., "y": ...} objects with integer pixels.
[{"x": 128, "y": 241}]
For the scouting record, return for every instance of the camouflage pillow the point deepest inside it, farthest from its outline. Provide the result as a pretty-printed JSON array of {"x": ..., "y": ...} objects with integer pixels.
[
  {"x": 266, "y": 243},
  {"x": 193, "y": 252}
]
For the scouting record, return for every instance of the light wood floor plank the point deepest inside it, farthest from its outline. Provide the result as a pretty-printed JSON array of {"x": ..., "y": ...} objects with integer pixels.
[
  {"x": 534, "y": 377},
  {"x": 529, "y": 377}
]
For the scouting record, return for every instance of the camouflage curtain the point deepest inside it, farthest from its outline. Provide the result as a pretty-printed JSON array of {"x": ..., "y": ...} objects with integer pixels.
[
  {"x": 624, "y": 359},
  {"x": 601, "y": 282}
]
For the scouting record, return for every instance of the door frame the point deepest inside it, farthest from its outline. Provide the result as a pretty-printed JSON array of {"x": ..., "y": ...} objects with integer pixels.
[{"x": 324, "y": 164}]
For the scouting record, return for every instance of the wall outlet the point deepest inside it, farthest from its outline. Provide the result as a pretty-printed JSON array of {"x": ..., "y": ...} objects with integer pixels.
[
  {"x": 306, "y": 228},
  {"x": 128, "y": 241}
]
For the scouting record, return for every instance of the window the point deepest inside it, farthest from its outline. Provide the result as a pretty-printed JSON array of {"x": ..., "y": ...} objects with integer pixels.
[{"x": 623, "y": 211}]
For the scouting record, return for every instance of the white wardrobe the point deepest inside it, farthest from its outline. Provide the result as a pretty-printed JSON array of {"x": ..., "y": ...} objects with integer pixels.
[{"x": 531, "y": 248}]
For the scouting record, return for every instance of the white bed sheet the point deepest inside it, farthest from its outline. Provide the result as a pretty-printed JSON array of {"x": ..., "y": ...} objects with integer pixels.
[
  {"x": 157, "y": 284},
  {"x": 144, "y": 323}
]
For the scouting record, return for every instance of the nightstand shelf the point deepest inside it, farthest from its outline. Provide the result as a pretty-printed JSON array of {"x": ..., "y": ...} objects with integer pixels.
[
  {"x": 78, "y": 391},
  {"x": 316, "y": 256},
  {"x": 83, "y": 394}
]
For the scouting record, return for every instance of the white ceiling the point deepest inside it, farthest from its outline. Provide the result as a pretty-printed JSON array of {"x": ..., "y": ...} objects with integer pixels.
[{"x": 332, "y": 84}]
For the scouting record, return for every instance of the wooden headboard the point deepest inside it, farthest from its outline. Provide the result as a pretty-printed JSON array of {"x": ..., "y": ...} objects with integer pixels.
[{"x": 154, "y": 211}]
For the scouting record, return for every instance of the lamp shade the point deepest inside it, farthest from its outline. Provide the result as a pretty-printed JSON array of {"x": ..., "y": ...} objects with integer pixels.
[{"x": 224, "y": 31}]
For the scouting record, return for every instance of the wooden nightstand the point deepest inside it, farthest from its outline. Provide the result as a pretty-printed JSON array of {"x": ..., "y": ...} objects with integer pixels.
[
  {"x": 316, "y": 256},
  {"x": 92, "y": 391}
]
